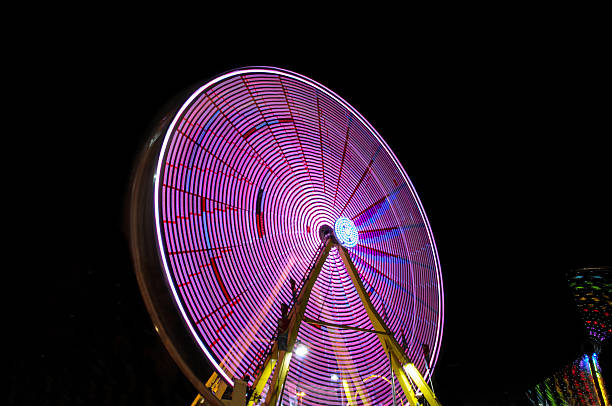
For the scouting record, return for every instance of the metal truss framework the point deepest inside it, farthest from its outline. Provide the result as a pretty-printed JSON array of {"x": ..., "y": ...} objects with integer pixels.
[{"x": 277, "y": 362}]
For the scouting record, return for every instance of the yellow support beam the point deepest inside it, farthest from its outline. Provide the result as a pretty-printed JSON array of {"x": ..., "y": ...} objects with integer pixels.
[
  {"x": 404, "y": 368},
  {"x": 217, "y": 385},
  {"x": 279, "y": 378},
  {"x": 295, "y": 320},
  {"x": 277, "y": 362},
  {"x": 418, "y": 379},
  {"x": 350, "y": 398},
  {"x": 197, "y": 400},
  {"x": 404, "y": 382},
  {"x": 282, "y": 359},
  {"x": 260, "y": 383}
]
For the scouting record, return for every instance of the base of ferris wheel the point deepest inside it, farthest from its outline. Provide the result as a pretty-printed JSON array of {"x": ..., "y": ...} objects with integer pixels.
[{"x": 279, "y": 356}]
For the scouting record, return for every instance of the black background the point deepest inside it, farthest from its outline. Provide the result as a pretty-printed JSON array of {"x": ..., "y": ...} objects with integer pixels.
[{"x": 504, "y": 138}]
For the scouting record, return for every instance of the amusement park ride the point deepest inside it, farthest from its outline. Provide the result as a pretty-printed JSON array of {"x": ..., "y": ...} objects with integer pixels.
[{"x": 261, "y": 191}]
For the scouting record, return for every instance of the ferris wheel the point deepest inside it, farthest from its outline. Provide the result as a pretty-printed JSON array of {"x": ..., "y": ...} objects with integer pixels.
[{"x": 280, "y": 246}]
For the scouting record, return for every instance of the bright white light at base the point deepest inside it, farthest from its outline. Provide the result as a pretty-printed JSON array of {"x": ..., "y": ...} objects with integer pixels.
[
  {"x": 300, "y": 350},
  {"x": 334, "y": 377},
  {"x": 346, "y": 232}
]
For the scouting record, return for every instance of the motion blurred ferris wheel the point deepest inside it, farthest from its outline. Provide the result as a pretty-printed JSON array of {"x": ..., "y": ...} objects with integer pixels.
[{"x": 281, "y": 249}]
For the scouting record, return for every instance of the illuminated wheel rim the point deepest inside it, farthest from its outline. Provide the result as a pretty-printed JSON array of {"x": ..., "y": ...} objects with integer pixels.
[{"x": 253, "y": 164}]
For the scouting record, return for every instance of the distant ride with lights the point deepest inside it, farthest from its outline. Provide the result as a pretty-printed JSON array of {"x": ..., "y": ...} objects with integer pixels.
[
  {"x": 592, "y": 289},
  {"x": 241, "y": 183}
]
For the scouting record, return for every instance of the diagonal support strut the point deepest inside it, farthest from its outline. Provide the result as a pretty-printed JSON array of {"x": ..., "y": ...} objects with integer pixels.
[
  {"x": 402, "y": 366},
  {"x": 278, "y": 361},
  {"x": 282, "y": 358}
]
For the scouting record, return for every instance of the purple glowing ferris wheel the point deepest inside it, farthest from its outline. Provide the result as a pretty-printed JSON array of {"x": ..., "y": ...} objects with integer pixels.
[{"x": 235, "y": 195}]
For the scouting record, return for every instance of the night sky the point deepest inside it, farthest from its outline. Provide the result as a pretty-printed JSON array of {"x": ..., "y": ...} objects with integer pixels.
[{"x": 504, "y": 143}]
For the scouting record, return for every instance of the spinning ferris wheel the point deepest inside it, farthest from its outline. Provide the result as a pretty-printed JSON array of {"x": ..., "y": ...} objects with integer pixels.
[{"x": 281, "y": 249}]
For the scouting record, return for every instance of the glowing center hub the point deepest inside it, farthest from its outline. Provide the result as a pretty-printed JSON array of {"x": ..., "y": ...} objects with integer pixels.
[{"x": 346, "y": 232}]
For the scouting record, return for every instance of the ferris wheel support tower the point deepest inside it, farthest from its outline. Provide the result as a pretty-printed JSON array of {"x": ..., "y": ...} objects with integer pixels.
[{"x": 408, "y": 375}]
